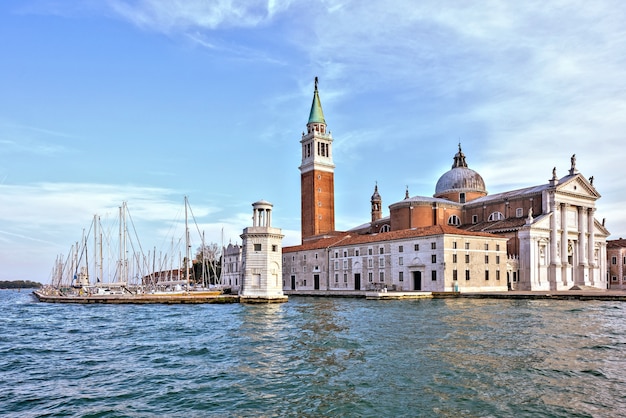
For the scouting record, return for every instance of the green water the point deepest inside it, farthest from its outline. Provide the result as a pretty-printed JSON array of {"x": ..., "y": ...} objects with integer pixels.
[{"x": 314, "y": 357}]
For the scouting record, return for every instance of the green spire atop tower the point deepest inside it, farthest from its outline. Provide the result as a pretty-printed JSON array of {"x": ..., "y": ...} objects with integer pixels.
[{"x": 316, "y": 115}]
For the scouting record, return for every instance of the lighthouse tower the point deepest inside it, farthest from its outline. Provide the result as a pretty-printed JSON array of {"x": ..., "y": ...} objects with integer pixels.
[{"x": 262, "y": 258}]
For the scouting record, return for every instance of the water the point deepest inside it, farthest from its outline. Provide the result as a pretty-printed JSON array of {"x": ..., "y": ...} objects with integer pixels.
[{"x": 314, "y": 357}]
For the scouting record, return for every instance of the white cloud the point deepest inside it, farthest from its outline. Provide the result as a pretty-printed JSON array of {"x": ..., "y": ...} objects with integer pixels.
[{"x": 176, "y": 15}]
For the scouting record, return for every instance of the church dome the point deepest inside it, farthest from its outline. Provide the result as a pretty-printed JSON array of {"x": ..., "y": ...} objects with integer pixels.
[{"x": 460, "y": 178}]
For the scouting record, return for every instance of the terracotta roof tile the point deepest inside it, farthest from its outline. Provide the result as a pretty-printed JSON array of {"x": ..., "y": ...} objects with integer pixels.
[{"x": 353, "y": 239}]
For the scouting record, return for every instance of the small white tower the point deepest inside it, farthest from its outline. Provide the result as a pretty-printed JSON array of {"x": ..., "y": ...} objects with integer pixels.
[{"x": 262, "y": 258}]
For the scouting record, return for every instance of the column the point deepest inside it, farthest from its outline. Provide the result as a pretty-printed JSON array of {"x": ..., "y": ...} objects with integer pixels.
[
  {"x": 555, "y": 261},
  {"x": 582, "y": 235},
  {"x": 564, "y": 262},
  {"x": 591, "y": 246}
]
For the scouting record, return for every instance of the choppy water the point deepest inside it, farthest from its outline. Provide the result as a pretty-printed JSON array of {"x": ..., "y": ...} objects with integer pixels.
[{"x": 314, "y": 357}]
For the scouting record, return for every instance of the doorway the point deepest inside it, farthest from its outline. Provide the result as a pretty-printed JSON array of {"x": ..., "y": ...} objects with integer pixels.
[
  {"x": 316, "y": 282},
  {"x": 417, "y": 280},
  {"x": 357, "y": 281}
]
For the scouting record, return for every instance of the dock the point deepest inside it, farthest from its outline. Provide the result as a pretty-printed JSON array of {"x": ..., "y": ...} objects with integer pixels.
[{"x": 593, "y": 294}]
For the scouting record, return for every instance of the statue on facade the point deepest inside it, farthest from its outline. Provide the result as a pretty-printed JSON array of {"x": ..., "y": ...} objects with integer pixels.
[{"x": 573, "y": 159}]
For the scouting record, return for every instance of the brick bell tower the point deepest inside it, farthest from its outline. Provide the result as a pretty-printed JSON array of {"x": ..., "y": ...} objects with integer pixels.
[{"x": 317, "y": 174}]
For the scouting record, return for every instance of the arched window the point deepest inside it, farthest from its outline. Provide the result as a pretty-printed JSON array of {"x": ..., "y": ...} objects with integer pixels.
[
  {"x": 454, "y": 220},
  {"x": 385, "y": 228},
  {"x": 496, "y": 216}
]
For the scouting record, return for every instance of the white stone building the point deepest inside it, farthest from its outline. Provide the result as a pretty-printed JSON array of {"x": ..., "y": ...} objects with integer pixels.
[
  {"x": 431, "y": 259},
  {"x": 231, "y": 267}
]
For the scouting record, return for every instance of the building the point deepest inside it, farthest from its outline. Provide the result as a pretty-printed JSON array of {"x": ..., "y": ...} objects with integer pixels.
[
  {"x": 616, "y": 256},
  {"x": 435, "y": 259},
  {"x": 261, "y": 263},
  {"x": 231, "y": 267},
  {"x": 547, "y": 236}
]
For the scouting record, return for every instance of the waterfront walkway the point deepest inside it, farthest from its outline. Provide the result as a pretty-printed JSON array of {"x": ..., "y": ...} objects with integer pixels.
[{"x": 585, "y": 294}]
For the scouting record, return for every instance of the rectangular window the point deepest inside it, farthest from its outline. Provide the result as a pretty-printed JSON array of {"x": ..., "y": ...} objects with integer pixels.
[
  {"x": 401, "y": 276},
  {"x": 356, "y": 253},
  {"x": 497, "y": 274},
  {"x": 274, "y": 248},
  {"x": 474, "y": 219},
  {"x": 486, "y": 247},
  {"x": 400, "y": 261},
  {"x": 336, "y": 277},
  {"x": 304, "y": 268},
  {"x": 613, "y": 259},
  {"x": 433, "y": 275},
  {"x": 467, "y": 245},
  {"x": 345, "y": 253},
  {"x": 381, "y": 262},
  {"x": 316, "y": 256},
  {"x": 370, "y": 263},
  {"x": 454, "y": 258},
  {"x": 467, "y": 275},
  {"x": 345, "y": 277},
  {"x": 257, "y": 247},
  {"x": 369, "y": 251},
  {"x": 486, "y": 274},
  {"x": 462, "y": 197},
  {"x": 401, "y": 249},
  {"x": 433, "y": 258},
  {"x": 345, "y": 264},
  {"x": 416, "y": 247},
  {"x": 467, "y": 258},
  {"x": 381, "y": 276},
  {"x": 381, "y": 250},
  {"x": 486, "y": 259},
  {"x": 433, "y": 245},
  {"x": 497, "y": 247},
  {"x": 336, "y": 254},
  {"x": 454, "y": 244},
  {"x": 304, "y": 257},
  {"x": 336, "y": 265},
  {"x": 455, "y": 275},
  {"x": 370, "y": 277},
  {"x": 497, "y": 259},
  {"x": 614, "y": 278}
]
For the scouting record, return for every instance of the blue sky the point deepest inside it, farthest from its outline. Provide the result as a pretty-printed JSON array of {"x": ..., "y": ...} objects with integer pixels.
[{"x": 148, "y": 101}]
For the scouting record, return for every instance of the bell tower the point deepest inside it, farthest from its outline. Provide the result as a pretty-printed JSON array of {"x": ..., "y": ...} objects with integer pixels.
[{"x": 317, "y": 171}]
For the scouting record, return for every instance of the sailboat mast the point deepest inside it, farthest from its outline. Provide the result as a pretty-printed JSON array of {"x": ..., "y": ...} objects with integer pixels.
[{"x": 186, "y": 244}]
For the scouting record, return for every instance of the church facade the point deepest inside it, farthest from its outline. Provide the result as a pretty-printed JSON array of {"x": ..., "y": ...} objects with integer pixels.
[{"x": 542, "y": 237}]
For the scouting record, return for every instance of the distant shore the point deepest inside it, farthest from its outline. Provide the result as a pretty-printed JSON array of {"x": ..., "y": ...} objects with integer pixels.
[{"x": 19, "y": 284}]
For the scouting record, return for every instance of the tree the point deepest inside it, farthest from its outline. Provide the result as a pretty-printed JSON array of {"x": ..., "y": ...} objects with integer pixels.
[{"x": 207, "y": 266}]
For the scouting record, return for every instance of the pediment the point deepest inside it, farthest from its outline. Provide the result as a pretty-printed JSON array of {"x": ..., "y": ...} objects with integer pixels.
[{"x": 578, "y": 186}]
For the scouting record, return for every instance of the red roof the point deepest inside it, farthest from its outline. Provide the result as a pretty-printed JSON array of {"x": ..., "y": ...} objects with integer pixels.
[
  {"x": 346, "y": 238},
  {"x": 616, "y": 243}
]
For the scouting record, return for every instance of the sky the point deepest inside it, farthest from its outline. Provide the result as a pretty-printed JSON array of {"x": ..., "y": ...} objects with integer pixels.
[{"x": 149, "y": 101}]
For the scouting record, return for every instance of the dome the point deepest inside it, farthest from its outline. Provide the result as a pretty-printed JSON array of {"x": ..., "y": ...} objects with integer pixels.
[
  {"x": 460, "y": 178},
  {"x": 376, "y": 196}
]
